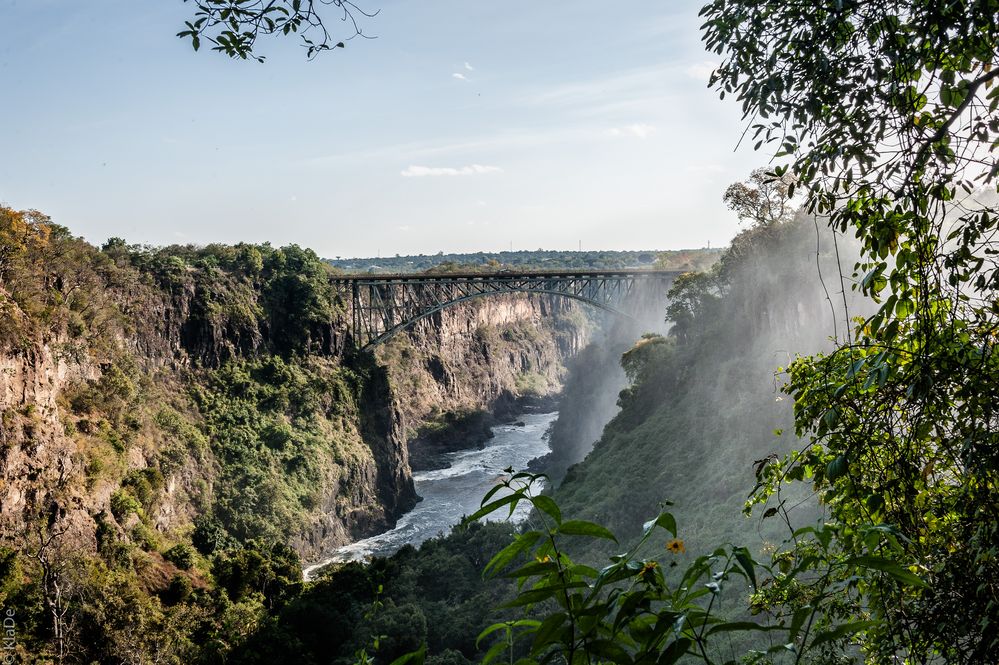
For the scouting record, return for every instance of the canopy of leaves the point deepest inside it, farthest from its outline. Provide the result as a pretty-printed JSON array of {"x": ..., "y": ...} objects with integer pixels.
[
  {"x": 886, "y": 114},
  {"x": 762, "y": 200}
]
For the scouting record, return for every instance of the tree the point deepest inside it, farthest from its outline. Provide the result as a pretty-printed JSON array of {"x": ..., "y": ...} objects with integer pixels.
[
  {"x": 886, "y": 113},
  {"x": 233, "y": 26},
  {"x": 761, "y": 200},
  {"x": 20, "y": 232}
]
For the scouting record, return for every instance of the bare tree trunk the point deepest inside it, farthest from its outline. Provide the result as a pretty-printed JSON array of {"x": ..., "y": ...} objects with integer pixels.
[{"x": 52, "y": 591}]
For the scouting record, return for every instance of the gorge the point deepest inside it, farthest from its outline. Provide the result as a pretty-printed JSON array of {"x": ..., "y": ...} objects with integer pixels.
[{"x": 188, "y": 428}]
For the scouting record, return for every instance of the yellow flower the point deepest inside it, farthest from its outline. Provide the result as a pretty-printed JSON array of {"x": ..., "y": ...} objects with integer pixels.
[
  {"x": 675, "y": 546},
  {"x": 546, "y": 559},
  {"x": 648, "y": 568}
]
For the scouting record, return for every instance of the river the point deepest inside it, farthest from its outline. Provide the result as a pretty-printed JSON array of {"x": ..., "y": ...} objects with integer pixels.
[{"x": 451, "y": 493}]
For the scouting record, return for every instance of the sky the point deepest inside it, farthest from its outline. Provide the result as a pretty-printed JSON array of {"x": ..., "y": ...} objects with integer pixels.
[{"x": 463, "y": 125}]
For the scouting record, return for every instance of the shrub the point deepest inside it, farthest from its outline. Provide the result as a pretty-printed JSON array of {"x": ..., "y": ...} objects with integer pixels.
[
  {"x": 145, "y": 537},
  {"x": 180, "y": 555},
  {"x": 124, "y": 503}
]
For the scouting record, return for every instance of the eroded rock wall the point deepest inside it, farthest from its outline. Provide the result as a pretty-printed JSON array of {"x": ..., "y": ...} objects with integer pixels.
[
  {"x": 455, "y": 369},
  {"x": 79, "y": 418}
]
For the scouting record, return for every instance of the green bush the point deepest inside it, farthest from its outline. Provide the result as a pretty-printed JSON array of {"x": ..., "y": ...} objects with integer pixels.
[
  {"x": 123, "y": 503},
  {"x": 180, "y": 555},
  {"x": 143, "y": 484},
  {"x": 145, "y": 537}
]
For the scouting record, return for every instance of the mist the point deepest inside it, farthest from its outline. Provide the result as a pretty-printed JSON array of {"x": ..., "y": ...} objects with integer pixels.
[{"x": 705, "y": 401}]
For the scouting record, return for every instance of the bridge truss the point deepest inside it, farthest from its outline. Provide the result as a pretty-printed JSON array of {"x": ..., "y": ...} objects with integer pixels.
[{"x": 382, "y": 305}]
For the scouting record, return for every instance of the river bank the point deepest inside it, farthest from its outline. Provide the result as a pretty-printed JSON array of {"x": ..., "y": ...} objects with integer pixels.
[
  {"x": 455, "y": 490},
  {"x": 452, "y": 432}
]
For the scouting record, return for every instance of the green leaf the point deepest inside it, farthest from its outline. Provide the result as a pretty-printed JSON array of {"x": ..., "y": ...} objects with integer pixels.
[
  {"x": 490, "y": 630},
  {"x": 415, "y": 657},
  {"x": 489, "y": 508},
  {"x": 548, "y": 632},
  {"x": 741, "y": 626},
  {"x": 836, "y": 468},
  {"x": 668, "y": 522},
  {"x": 548, "y": 505},
  {"x": 674, "y": 652},
  {"x": 745, "y": 560},
  {"x": 491, "y": 493},
  {"x": 841, "y": 631},
  {"x": 798, "y": 620},
  {"x": 532, "y": 568},
  {"x": 610, "y": 650},
  {"x": 521, "y": 544},
  {"x": 494, "y": 652},
  {"x": 890, "y": 567},
  {"x": 584, "y": 528},
  {"x": 532, "y": 596}
]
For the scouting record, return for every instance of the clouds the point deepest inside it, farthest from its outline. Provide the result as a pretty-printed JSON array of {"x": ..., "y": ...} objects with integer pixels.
[
  {"x": 638, "y": 130},
  {"x": 461, "y": 77},
  {"x": 414, "y": 171}
]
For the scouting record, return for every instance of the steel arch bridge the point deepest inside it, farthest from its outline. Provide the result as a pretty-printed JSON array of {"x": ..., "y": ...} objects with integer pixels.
[{"x": 382, "y": 305}]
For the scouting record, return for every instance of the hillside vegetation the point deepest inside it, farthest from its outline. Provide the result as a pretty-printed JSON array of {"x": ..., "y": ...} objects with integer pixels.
[{"x": 182, "y": 425}]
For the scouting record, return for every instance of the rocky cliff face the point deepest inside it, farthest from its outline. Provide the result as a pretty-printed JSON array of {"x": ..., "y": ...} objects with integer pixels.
[
  {"x": 116, "y": 421},
  {"x": 454, "y": 370},
  {"x": 39, "y": 465}
]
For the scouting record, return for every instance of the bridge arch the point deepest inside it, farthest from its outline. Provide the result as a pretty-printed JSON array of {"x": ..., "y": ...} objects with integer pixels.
[{"x": 381, "y": 306}]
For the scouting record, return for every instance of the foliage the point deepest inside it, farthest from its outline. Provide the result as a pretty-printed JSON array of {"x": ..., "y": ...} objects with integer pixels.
[
  {"x": 247, "y": 295},
  {"x": 276, "y": 429},
  {"x": 702, "y": 404},
  {"x": 531, "y": 383},
  {"x": 180, "y": 555},
  {"x": 233, "y": 26},
  {"x": 633, "y": 611},
  {"x": 646, "y": 354},
  {"x": 434, "y": 596},
  {"x": 20, "y": 232},
  {"x": 886, "y": 113},
  {"x": 272, "y": 571},
  {"x": 763, "y": 200},
  {"x": 212, "y": 369}
]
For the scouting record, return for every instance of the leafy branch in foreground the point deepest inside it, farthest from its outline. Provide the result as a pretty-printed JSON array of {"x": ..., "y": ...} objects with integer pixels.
[
  {"x": 886, "y": 114},
  {"x": 631, "y": 611},
  {"x": 233, "y": 26}
]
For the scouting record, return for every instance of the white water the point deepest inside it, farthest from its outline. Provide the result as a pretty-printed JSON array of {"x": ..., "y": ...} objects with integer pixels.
[{"x": 450, "y": 494}]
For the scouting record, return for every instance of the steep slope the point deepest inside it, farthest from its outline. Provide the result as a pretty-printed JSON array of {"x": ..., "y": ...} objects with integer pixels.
[
  {"x": 704, "y": 402},
  {"x": 149, "y": 387},
  {"x": 192, "y": 420}
]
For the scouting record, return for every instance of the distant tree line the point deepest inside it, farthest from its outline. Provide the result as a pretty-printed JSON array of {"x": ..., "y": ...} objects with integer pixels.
[{"x": 539, "y": 259}]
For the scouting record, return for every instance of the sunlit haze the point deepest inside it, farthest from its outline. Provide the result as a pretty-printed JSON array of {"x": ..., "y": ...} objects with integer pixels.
[{"x": 463, "y": 126}]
